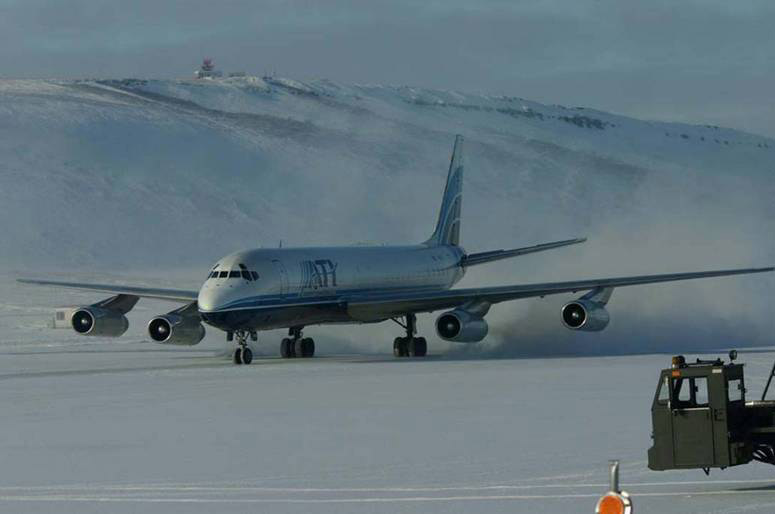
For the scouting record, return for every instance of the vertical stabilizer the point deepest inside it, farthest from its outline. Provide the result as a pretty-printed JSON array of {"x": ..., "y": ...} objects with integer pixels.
[{"x": 448, "y": 227}]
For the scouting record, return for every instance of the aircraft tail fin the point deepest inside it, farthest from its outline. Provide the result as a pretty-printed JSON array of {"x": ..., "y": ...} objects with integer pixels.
[{"x": 448, "y": 226}]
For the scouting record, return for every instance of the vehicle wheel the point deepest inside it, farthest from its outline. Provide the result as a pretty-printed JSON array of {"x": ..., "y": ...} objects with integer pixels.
[
  {"x": 418, "y": 347},
  {"x": 307, "y": 347},
  {"x": 400, "y": 347},
  {"x": 247, "y": 355},
  {"x": 286, "y": 348},
  {"x": 238, "y": 355}
]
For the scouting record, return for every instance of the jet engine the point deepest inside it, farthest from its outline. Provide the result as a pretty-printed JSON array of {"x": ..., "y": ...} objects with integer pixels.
[
  {"x": 174, "y": 328},
  {"x": 94, "y": 321},
  {"x": 461, "y": 326},
  {"x": 583, "y": 314}
]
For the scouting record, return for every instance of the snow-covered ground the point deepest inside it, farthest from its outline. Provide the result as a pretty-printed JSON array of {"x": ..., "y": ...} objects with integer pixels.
[
  {"x": 96, "y": 425},
  {"x": 156, "y": 177},
  {"x": 88, "y": 166}
]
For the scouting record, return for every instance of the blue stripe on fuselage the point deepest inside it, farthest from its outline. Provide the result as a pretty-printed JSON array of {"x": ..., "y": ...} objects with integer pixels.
[{"x": 285, "y": 300}]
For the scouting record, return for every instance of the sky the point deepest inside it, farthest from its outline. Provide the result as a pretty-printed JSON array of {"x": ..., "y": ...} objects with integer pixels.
[{"x": 707, "y": 62}]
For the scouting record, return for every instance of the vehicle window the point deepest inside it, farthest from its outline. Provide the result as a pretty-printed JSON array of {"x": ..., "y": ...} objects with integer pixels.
[
  {"x": 234, "y": 274},
  {"x": 690, "y": 392},
  {"x": 254, "y": 274},
  {"x": 664, "y": 391},
  {"x": 682, "y": 392},
  {"x": 700, "y": 391},
  {"x": 224, "y": 274},
  {"x": 735, "y": 390},
  {"x": 246, "y": 275}
]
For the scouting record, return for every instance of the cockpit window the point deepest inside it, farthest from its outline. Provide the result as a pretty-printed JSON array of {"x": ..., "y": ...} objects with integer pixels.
[{"x": 243, "y": 273}]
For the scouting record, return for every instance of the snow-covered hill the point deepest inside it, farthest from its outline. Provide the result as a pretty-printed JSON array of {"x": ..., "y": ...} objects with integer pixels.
[{"x": 133, "y": 175}]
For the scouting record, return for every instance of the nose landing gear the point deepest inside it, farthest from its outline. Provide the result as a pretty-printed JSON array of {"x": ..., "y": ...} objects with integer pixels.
[
  {"x": 409, "y": 346},
  {"x": 243, "y": 354}
]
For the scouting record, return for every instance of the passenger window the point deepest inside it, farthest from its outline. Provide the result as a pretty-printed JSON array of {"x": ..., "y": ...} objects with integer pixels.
[
  {"x": 224, "y": 274},
  {"x": 234, "y": 274},
  {"x": 254, "y": 274},
  {"x": 735, "y": 390}
]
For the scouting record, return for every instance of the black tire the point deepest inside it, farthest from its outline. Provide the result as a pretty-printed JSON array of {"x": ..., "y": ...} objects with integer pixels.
[
  {"x": 238, "y": 355},
  {"x": 296, "y": 348},
  {"x": 307, "y": 347},
  {"x": 286, "y": 348},
  {"x": 418, "y": 347},
  {"x": 400, "y": 347},
  {"x": 247, "y": 355}
]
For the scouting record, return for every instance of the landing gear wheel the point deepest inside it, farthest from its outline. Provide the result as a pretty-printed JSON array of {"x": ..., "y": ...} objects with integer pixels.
[
  {"x": 400, "y": 347},
  {"x": 286, "y": 348},
  {"x": 247, "y": 355},
  {"x": 238, "y": 355},
  {"x": 418, "y": 347},
  {"x": 307, "y": 347},
  {"x": 296, "y": 347}
]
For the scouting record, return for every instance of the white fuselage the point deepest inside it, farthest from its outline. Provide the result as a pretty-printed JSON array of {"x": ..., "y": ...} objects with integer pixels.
[{"x": 258, "y": 289}]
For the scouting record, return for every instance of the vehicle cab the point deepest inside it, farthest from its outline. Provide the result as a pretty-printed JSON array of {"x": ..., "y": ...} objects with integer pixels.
[{"x": 699, "y": 416}]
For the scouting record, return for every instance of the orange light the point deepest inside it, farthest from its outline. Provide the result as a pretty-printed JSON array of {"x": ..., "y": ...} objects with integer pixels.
[
  {"x": 614, "y": 503},
  {"x": 611, "y": 503},
  {"x": 676, "y": 373}
]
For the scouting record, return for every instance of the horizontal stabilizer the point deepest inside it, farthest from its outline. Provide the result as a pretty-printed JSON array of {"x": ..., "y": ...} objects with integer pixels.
[{"x": 496, "y": 255}]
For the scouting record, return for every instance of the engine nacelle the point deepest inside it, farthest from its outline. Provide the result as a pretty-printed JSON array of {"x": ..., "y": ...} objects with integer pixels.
[
  {"x": 585, "y": 315},
  {"x": 176, "y": 329},
  {"x": 93, "y": 321},
  {"x": 460, "y": 326}
]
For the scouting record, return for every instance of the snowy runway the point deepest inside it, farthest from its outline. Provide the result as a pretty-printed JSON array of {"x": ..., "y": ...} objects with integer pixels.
[
  {"x": 128, "y": 427},
  {"x": 699, "y": 496}
]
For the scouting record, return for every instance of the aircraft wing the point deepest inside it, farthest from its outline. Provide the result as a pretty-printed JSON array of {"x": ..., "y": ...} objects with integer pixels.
[
  {"x": 143, "y": 292},
  {"x": 369, "y": 307}
]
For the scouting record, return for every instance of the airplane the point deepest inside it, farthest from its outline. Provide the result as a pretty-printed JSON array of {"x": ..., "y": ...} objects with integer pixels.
[{"x": 293, "y": 288}]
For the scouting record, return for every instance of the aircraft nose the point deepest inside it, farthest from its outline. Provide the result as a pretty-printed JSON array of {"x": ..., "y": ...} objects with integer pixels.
[{"x": 209, "y": 300}]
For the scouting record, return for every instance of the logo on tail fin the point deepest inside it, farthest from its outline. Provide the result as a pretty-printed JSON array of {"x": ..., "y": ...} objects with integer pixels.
[{"x": 448, "y": 227}]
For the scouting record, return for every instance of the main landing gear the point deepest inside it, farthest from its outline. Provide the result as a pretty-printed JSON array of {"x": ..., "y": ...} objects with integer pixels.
[
  {"x": 296, "y": 345},
  {"x": 243, "y": 354},
  {"x": 409, "y": 346}
]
